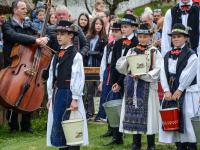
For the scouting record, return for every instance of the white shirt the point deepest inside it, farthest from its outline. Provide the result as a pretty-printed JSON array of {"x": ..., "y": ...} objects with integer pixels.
[{"x": 77, "y": 78}]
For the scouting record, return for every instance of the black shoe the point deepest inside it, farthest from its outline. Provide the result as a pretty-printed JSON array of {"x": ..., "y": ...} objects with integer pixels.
[
  {"x": 97, "y": 119},
  {"x": 192, "y": 146},
  {"x": 151, "y": 148},
  {"x": 135, "y": 147},
  {"x": 29, "y": 130},
  {"x": 107, "y": 134},
  {"x": 114, "y": 142},
  {"x": 14, "y": 130},
  {"x": 89, "y": 116}
]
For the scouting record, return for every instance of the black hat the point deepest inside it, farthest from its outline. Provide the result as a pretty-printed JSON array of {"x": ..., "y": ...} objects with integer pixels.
[
  {"x": 129, "y": 19},
  {"x": 116, "y": 26},
  {"x": 179, "y": 28},
  {"x": 144, "y": 29},
  {"x": 64, "y": 25}
]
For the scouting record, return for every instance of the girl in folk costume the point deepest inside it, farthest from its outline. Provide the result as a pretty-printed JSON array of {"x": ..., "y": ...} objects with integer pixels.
[
  {"x": 140, "y": 106},
  {"x": 65, "y": 87},
  {"x": 178, "y": 79}
]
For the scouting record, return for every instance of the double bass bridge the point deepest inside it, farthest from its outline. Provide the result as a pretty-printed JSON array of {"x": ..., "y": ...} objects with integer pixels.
[{"x": 31, "y": 72}]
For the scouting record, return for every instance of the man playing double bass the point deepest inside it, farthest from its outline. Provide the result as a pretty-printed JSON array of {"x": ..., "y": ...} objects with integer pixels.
[{"x": 18, "y": 31}]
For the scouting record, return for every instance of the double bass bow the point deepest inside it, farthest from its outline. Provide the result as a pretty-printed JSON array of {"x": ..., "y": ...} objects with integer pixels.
[{"x": 21, "y": 84}]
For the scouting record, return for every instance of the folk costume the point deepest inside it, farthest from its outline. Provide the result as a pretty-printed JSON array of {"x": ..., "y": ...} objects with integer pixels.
[
  {"x": 66, "y": 82},
  {"x": 188, "y": 15},
  {"x": 120, "y": 49},
  {"x": 140, "y": 106},
  {"x": 180, "y": 64},
  {"x": 105, "y": 72}
]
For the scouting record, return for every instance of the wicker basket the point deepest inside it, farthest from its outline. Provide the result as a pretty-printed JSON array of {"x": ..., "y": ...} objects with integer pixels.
[{"x": 196, "y": 125}]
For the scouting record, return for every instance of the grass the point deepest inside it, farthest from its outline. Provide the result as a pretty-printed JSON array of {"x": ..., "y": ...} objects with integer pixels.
[
  {"x": 37, "y": 141},
  {"x": 139, "y": 10},
  {"x": 164, "y": 7}
]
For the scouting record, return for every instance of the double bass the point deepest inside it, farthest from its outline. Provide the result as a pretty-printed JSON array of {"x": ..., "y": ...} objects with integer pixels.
[{"x": 21, "y": 84}]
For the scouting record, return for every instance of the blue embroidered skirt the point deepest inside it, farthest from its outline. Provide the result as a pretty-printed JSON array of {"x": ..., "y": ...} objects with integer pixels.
[{"x": 61, "y": 100}]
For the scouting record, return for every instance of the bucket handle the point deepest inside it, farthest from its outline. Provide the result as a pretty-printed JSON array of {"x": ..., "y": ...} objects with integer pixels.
[
  {"x": 165, "y": 100},
  {"x": 69, "y": 109},
  {"x": 110, "y": 93}
]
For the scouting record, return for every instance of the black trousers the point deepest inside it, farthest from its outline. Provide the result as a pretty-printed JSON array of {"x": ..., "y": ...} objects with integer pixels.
[
  {"x": 12, "y": 117},
  {"x": 91, "y": 86},
  {"x": 116, "y": 134}
]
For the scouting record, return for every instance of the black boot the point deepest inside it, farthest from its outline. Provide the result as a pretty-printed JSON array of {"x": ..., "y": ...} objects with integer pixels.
[
  {"x": 74, "y": 147},
  {"x": 151, "y": 142},
  {"x": 192, "y": 146},
  {"x": 181, "y": 146},
  {"x": 136, "y": 142},
  {"x": 117, "y": 138},
  {"x": 66, "y": 148},
  {"x": 109, "y": 132},
  {"x": 178, "y": 146}
]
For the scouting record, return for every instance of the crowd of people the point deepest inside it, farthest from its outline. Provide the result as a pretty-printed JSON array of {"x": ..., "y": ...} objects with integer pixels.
[{"x": 170, "y": 41}]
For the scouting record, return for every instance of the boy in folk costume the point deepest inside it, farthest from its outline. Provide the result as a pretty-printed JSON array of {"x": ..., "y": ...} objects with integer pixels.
[
  {"x": 184, "y": 12},
  {"x": 178, "y": 79},
  {"x": 128, "y": 27},
  {"x": 140, "y": 106},
  {"x": 105, "y": 85},
  {"x": 65, "y": 86}
]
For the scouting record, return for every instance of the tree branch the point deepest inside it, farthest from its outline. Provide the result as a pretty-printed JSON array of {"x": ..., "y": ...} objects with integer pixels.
[{"x": 86, "y": 5}]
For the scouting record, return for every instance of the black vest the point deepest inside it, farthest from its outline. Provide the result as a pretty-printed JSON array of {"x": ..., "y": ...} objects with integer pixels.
[
  {"x": 115, "y": 76},
  {"x": 193, "y": 22},
  {"x": 64, "y": 69},
  {"x": 181, "y": 64}
]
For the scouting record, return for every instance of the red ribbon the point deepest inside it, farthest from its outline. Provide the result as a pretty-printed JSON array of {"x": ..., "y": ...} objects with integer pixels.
[
  {"x": 175, "y": 52},
  {"x": 185, "y": 8},
  {"x": 61, "y": 53},
  {"x": 127, "y": 42}
]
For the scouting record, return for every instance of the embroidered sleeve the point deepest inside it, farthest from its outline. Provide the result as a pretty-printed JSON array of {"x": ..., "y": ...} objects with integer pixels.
[
  {"x": 189, "y": 72},
  {"x": 77, "y": 77}
]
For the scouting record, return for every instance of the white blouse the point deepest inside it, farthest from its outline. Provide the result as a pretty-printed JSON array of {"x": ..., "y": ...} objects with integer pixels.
[
  {"x": 77, "y": 78},
  {"x": 187, "y": 76}
]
